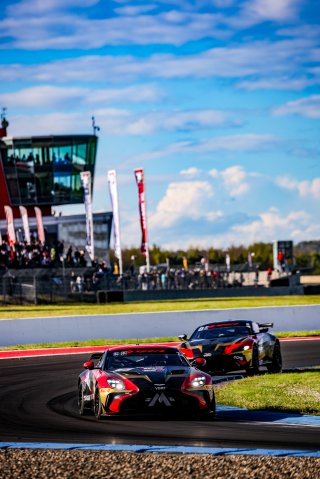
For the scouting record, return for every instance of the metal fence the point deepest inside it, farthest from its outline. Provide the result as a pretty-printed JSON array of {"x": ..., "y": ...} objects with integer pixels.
[{"x": 36, "y": 286}]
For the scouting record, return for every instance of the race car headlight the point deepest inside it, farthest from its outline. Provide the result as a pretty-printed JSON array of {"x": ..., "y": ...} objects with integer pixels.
[
  {"x": 116, "y": 383},
  {"x": 237, "y": 347},
  {"x": 198, "y": 381}
]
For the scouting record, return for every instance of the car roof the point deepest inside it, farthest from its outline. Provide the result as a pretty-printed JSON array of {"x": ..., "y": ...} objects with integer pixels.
[
  {"x": 144, "y": 347},
  {"x": 228, "y": 322}
]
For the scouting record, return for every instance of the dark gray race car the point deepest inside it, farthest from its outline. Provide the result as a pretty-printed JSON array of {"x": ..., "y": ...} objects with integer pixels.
[{"x": 234, "y": 345}]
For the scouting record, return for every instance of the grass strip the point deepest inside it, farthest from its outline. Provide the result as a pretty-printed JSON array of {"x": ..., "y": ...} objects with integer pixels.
[
  {"x": 297, "y": 334},
  {"x": 288, "y": 392},
  {"x": 28, "y": 311},
  {"x": 104, "y": 341}
]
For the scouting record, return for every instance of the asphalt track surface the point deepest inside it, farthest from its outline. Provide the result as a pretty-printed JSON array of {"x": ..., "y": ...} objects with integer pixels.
[{"x": 38, "y": 404}]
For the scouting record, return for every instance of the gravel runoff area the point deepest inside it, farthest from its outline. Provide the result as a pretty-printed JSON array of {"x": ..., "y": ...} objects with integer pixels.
[{"x": 47, "y": 464}]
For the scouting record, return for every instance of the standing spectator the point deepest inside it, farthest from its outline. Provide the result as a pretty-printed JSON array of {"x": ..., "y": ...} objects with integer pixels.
[
  {"x": 269, "y": 275},
  {"x": 79, "y": 284},
  {"x": 69, "y": 258}
]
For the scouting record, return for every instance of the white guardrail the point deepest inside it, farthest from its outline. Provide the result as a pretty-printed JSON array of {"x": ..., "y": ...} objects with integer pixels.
[{"x": 148, "y": 325}]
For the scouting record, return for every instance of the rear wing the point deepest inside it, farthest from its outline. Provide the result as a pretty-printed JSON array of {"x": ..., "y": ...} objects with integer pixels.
[{"x": 265, "y": 326}]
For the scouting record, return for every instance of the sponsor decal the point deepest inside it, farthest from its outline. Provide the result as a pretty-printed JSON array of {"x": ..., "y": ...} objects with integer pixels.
[
  {"x": 161, "y": 399},
  {"x": 88, "y": 397},
  {"x": 222, "y": 325},
  {"x": 160, "y": 387}
]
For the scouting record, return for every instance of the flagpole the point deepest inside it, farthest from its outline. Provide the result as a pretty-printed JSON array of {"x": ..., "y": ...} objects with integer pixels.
[{"x": 113, "y": 191}]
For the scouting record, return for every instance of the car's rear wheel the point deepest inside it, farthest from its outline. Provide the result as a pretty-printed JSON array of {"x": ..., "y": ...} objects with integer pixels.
[
  {"x": 254, "y": 365},
  {"x": 81, "y": 408},
  {"x": 276, "y": 364},
  {"x": 97, "y": 404}
]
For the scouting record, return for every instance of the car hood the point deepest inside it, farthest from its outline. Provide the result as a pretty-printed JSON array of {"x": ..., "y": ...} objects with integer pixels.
[
  {"x": 216, "y": 342},
  {"x": 155, "y": 374}
]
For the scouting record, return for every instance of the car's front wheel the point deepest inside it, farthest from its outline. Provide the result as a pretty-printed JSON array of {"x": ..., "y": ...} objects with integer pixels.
[
  {"x": 83, "y": 410},
  {"x": 97, "y": 404},
  {"x": 276, "y": 364}
]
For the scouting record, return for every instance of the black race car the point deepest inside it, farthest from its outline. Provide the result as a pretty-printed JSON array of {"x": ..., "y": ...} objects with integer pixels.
[
  {"x": 130, "y": 379},
  {"x": 234, "y": 345}
]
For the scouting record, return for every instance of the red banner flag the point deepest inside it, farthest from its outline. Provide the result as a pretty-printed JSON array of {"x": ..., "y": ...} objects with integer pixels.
[
  {"x": 139, "y": 175},
  {"x": 41, "y": 234},
  {"x": 10, "y": 226}
]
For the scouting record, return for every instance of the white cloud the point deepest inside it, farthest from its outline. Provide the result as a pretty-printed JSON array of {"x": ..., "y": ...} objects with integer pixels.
[
  {"x": 39, "y": 7},
  {"x": 276, "y": 10},
  {"x": 259, "y": 60},
  {"x": 52, "y": 25},
  {"x": 66, "y": 30},
  {"x": 234, "y": 179},
  {"x": 249, "y": 142},
  {"x": 272, "y": 225},
  {"x": 266, "y": 227},
  {"x": 281, "y": 83},
  {"x": 112, "y": 121},
  {"x": 186, "y": 199},
  {"x": 52, "y": 96},
  {"x": 306, "y": 188},
  {"x": 308, "y": 107},
  {"x": 191, "y": 172},
  {"x": 135, "y": 10}
]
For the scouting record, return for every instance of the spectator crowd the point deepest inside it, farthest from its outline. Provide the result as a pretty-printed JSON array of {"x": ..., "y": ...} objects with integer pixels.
[{"x": 83, "y": 275}]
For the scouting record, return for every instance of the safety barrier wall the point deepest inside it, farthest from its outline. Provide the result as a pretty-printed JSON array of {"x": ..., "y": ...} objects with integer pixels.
[{"x": 147, "y": 325}]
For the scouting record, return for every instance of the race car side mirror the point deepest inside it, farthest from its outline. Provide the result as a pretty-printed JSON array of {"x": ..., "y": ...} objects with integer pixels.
[
  {"x": 199, "y": 362},
  {"x": 88, "y": 365},
  {"x": 183, "y": 337}
]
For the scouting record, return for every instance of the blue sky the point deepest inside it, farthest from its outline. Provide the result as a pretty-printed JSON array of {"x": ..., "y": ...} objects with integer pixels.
[{"x": 218, "y": 100}]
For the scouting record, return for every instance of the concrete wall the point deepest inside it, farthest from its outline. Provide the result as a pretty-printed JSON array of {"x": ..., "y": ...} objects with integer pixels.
[
  {"x": 168, "y": 294},
  {"x": 147, "y": 325}
]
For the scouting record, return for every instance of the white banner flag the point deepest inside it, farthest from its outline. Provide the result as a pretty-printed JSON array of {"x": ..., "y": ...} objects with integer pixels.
[
  {"x": 11, "y": 233},
  {"x": 86, "y": 184},
  {"x": 113, "y": 191},
  {"x": 25, "y": 222},
  {"x": 41, "y": 235}
]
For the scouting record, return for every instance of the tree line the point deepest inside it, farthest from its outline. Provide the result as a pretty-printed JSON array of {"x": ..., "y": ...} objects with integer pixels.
[{"x": 306, "y": 256}]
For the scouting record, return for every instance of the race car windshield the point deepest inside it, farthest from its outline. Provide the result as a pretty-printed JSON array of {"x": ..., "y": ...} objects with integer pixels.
[
  {"x": 219, "y": 332},
  {"x": 120, "y": 359}
]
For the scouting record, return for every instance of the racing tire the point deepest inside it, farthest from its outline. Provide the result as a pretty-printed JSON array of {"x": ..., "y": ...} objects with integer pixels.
[
  {"x": 253, "y": 369},
  {"x": 83, "y": 411},
  {"x": 207, "y": 414},
  {"x": 97, "y": 407},
  {"x": 213, "y": 407},
  {"x": 276, "y": 364}
]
